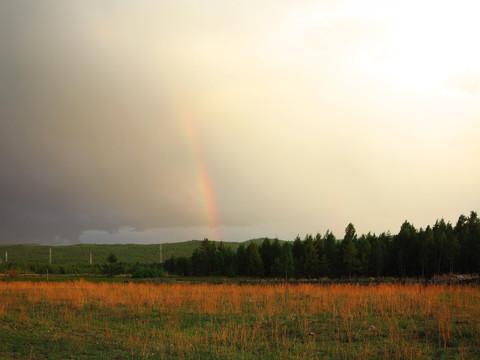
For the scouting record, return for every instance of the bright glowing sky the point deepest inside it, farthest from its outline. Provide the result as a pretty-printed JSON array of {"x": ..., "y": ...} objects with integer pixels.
[{"x": 159, "y": 121}]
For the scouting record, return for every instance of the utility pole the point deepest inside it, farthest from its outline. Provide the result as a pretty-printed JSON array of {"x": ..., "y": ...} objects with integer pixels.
[
  {"x": 161, "y": 254},
  {"x": 6, "y": 256},
  {"x": 90, "y": 258},
  {"x": 50, "y": 255}
]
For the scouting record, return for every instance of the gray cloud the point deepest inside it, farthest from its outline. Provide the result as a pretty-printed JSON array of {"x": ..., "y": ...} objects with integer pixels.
[
  {"x": 94, "y": 100},
  {"x": 86, "y": 138}
]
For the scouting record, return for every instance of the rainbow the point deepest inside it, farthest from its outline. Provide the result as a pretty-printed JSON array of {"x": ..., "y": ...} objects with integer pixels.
[{"x": 203, "y": 175}]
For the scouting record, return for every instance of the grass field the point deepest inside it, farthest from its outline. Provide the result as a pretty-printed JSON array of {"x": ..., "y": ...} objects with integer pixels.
[
  {"x": 83, "y": 320},
  {"x": 80, "y": 254}
]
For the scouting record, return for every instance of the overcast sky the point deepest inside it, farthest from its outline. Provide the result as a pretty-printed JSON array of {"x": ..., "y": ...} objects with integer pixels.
[{"x": 160, "y": 121}]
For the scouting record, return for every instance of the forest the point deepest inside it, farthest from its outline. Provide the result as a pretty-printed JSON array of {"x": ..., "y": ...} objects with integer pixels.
[
  {"x": 442, "y": 248},
  {"x": 438, "y": 249}
]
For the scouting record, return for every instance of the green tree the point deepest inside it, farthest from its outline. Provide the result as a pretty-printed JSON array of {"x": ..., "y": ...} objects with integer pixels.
[
  {"x": 241, "y": 260},
  {"x": 205, "y": 260},
  {"x": 440, "y": 241},
  {"x": 267, "y": 256},
  {"x": 298, "y": 252},
  {"x": 349, "y": 250},
  {"x": 311, "y": 258},
  {"x": 364, "y": 253},
  {"x": 331, "y": 254},
  {"x": 287, "y": 260},
  {"x": 112, "y": 259},
  {"x": 378, "y": 253},
  {"x": 322, "y": 268},
  {"x": 277, "y": 269},
  {"x": 113, "y": 267},
  {"x": 451, "y": 247},
  {"x": 199, "y": 263},
  {"x": 208, "y": 249},
  {"x": 225, "y": 258},
  {"x": 254, "y": 266},
  {"x": 474, "y": 241},
  {"x": 426, "y": 251},
  {"x": 405, "y": 250}
]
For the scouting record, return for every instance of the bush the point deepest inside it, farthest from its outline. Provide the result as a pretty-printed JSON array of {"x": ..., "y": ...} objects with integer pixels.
[
  {"x": 13, "y": 273},
  {"x": 147, "y": 272},
  {"x": 111, "y": 269}
]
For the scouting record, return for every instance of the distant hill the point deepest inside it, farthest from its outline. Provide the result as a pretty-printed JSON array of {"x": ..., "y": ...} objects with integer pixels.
[{"x": 78, "y": 254}]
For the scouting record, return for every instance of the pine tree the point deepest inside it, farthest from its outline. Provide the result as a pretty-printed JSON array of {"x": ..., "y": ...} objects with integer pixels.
[
  {"x": 311, "y": 258},
  {"x": 331, "y": 253},
  {"x": 349, "y": 250},
  {"x": 254, "y": 266}
]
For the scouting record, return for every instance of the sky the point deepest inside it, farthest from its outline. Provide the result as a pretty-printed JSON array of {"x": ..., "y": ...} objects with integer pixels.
[{"x": 163, "y": 121}]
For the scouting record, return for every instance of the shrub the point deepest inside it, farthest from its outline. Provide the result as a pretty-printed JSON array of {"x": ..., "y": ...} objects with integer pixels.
[
  {"x": 147, "y": 272},
  {"x": 13, "y": 273}
]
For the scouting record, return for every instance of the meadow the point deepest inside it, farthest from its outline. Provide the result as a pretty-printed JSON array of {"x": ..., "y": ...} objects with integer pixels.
[
  {"x": 83, "y": 320},
  {"x": 80, "y": 254}
]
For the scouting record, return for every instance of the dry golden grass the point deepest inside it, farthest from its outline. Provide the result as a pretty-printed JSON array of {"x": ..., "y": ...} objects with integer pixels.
[{"x": 232, "y": 321}]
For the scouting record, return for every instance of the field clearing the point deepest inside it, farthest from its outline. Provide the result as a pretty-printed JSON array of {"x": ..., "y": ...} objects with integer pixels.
[{"x": 83, "y": 320}]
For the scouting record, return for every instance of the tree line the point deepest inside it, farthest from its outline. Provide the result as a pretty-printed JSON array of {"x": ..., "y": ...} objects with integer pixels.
[
  {"x": 438, "y": 249},
  {"x": 110, "y": 268}
]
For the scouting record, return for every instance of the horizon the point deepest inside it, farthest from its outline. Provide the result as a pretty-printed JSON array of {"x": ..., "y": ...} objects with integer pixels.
[{"x": 99, "y": 241}]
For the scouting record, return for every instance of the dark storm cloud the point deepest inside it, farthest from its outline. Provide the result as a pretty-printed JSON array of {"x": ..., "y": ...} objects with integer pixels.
[{"x": 86, "y": 139}]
